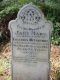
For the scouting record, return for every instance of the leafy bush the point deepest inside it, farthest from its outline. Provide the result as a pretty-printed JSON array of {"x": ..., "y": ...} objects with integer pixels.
[
  {"x": 58, "y": 75},
  {"x": 9, "y": 13},
  {"x": 53, "y": 13},
  {"x": 56, "y": 34}
]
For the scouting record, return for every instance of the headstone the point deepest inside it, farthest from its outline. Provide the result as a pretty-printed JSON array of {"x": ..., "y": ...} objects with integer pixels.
[{"x": 30, "y": 40}]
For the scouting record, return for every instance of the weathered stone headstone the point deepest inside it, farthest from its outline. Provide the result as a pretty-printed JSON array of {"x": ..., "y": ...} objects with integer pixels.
[{"x": 30, "y": 40}]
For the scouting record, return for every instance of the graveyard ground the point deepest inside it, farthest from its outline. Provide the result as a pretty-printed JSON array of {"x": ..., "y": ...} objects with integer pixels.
[{"x": 5, "y": 63}]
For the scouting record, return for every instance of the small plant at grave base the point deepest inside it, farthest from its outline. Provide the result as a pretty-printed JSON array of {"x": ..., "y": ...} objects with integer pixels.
[
  {"x": 1, "y": 71},
  {"x": 58, "y": 75},
  {"x": 4, "y": 64},
  {"x": 8, "y": 78}
]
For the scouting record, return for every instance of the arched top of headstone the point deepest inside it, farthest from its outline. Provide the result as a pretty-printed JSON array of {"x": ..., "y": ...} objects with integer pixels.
[{"x": 30, "y": 16}]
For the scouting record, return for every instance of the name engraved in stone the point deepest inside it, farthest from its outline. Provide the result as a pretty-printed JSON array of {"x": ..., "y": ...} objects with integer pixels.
[{"x": 28, "y": 33}]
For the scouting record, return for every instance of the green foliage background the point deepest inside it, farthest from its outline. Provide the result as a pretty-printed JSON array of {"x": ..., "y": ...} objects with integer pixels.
[{"x": 10, "y": 8}]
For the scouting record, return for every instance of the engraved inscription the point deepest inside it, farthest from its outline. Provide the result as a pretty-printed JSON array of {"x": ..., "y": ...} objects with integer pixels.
[{"x": 31, "y": 44}]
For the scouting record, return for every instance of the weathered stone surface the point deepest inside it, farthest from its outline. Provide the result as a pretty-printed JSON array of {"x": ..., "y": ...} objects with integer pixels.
[{"x": 30, "y": 39}]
